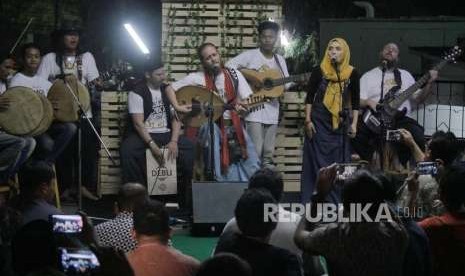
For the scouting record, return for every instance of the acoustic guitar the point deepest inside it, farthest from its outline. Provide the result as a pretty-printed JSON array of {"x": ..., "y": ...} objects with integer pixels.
[{"x": 270, "y": 82}]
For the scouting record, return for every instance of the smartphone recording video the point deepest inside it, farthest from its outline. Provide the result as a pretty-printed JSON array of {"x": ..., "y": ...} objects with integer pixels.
[
  {"x": 393, "y": 135},
  {"x": 77, "y": 261},
  {"x": 67, "y": 224},
  {"x": 346, "y": 170},
  {"x": 427, "y": 168}
]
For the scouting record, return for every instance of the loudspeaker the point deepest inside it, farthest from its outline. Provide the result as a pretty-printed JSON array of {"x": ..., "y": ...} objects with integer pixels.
[{"x": 213, "y": 205}]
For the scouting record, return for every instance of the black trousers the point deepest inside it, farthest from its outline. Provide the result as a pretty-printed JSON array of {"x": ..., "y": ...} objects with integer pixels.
[
  {"x": 67, "y": 163},
  {"x": 367, "y": 142},
  {"x": 133, "y": 163}
]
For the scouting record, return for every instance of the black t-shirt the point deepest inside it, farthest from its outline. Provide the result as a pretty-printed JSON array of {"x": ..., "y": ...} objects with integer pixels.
[
  {"x": 265, "y": 259},
  {"x": 353, "y": 87}
]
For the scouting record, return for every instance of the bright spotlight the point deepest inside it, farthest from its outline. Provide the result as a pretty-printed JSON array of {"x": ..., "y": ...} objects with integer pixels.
[
  {"x": 137, "y": 39},
  {"x": 284, "y": 41}
]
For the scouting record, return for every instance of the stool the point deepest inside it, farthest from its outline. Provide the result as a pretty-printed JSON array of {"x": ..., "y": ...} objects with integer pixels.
[
  {"x": 55, "y": 188},
  {"x": 11, "y": 187}
]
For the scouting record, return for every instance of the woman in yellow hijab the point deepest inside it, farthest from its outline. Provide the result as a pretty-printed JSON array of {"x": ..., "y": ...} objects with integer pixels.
[{"x": 333, "y": 91}]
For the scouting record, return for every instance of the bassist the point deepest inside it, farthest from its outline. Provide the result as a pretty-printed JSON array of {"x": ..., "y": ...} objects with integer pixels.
[{"x": 380, "y": 82}]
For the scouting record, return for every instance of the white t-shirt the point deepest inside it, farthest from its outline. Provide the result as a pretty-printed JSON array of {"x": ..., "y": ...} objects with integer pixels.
[
  {"x": 2, "y": 87},
  {"x": 254, "y": 59},
  {"x": 282, "y": 236},
  {"x": 370, "y": 85},
  {"x": 156, "y": 122},
  {"x": 49, "y": 69},
  {"x": 198, "y": 78},
  {"x": 36, "y": 83}
]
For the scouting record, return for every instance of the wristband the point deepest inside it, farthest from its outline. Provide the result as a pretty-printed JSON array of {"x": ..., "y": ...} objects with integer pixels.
[
  {"x": 174, "y": 141},
  {"x": 150, "y": 142}
]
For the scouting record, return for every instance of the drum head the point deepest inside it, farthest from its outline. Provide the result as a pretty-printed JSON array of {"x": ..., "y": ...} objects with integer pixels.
[
  {"x": 63, "y": 102},
  {"x": 199, "y": 97},
  {"x": 47, "y": 118},
  {"x": 25, "y": 112}
]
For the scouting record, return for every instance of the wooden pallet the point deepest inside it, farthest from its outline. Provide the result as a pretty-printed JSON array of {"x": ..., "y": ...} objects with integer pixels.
[
  {"x": 230, "y": 26},
  {"x": 289, "y": 141},
  {"x": 113, "y": 122}
]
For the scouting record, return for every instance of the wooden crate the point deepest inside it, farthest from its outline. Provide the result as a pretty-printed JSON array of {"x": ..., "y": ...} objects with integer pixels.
[
  {"x": 230, "y": 26},
  {"x": 288, "y": 153},
  {"x": 113, "y": 121},
  {"x": 289, "y": 142}
]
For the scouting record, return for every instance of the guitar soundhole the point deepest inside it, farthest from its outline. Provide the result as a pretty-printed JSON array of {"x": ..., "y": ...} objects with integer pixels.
[{"x": 268, "y": 84}]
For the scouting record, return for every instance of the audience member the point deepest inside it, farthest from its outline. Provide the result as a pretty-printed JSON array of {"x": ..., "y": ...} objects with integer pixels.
[
  {"x": 282, "y": 236},
  {"x": 417, "y": 259},
  {"x": 446, "y": 233},
  {"x": 252, "y": 244},
  {"x": 34, "y": 249},
  {"x": 152, "y": 255},
  {"x": 442, "y": 149},
  {"x": 117, "y": 232},
  {"x": 354, "y": 247},
  {"x": 225, "y": 264},
  {"x": 37, "y": 192}
]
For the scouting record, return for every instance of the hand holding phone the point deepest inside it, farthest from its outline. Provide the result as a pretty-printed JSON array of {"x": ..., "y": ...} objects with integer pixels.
[
  {"x": 67, "y": 224},
  {"x": 427, "y": 168},
  {"x": 77, "y": 261}
]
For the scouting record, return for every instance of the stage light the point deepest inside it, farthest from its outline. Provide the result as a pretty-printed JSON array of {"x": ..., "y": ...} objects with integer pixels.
[
  {"x": 284, "y": 41},
  {"x": 136, "y": 39}
]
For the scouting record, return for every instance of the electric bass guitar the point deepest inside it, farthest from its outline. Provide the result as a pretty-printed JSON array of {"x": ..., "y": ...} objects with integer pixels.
[
  {"x": 387, "y": 111},
  {"x": 270, "y": 83}
]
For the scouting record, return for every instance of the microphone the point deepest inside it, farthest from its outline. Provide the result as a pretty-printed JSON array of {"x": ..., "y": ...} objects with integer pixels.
[
  {"x": 384, "y": 64},
  {"x": 333, "y": 61}
]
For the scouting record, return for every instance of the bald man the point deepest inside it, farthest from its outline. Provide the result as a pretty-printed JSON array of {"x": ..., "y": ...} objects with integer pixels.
[{"x": 374, "y": 85}]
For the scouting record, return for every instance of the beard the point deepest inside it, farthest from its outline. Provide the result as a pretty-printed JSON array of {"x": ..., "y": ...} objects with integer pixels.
[
  {"x": 213, "y": 69},
  {"x": 389, "y": 64}
]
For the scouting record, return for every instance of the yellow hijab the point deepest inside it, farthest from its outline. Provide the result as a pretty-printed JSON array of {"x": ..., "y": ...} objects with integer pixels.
[{"x": 332, "y": 98}]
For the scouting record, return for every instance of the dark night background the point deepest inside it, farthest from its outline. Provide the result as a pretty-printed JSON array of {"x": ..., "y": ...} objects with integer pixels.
[{"x": 102, "y": 20}]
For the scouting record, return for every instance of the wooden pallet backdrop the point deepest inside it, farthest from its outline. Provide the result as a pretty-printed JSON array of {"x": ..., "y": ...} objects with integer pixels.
[
  {"x": 230, "y": 26},
  {"x": 288, "y": 154},
  {"x": 113, "y": 122}
]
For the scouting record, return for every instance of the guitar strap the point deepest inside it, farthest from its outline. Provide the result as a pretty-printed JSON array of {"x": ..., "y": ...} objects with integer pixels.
[
  {"x": 234, "y": 78},
  {"x": 279, "y": 64},
  {"x": 398, "y": 80}
]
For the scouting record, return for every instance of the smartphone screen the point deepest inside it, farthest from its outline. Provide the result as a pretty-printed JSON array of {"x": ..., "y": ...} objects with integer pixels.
[
  {"x": 427, "y": 168},
  {"x": 77, "y": 261},
  {"x": 67, "y": 223},
  {"x": 345, "y": 170}
]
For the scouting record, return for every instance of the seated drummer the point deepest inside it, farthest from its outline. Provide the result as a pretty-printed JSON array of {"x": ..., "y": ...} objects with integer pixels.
[
  {"x": 235, "y": 157},
  {"x": 152, "y": 125},
  {"x": 51, "y": 143},
  {"x": 14, "y": 150}
]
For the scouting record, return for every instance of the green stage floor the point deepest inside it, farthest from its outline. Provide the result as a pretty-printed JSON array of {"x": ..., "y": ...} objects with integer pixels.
[{"x": 200, "y": 248}]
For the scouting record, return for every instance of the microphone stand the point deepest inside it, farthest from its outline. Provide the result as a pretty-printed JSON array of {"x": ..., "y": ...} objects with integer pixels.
[
  {"x": 210, "y": 171},
  {"x": 343, "y": 113},
  {"x": 381, "y": 120},
  {"x": 83, "y": 114}
]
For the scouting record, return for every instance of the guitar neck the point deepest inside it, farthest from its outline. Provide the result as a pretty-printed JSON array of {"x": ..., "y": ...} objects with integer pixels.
[
  {"x": 282, "y": 81},
  {"x": 402, "y": 97}
]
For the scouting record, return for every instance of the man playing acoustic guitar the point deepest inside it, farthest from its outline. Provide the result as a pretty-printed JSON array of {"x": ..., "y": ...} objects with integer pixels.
[{"x": 262, "y": 125}]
